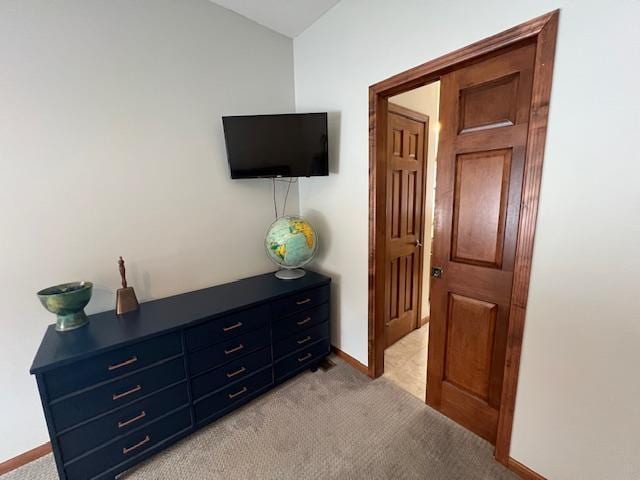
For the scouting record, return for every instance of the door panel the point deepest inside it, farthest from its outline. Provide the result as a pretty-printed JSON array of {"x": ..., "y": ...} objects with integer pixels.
[
  {"x": 489, "y": 105},
  {"x": 396, "y": 202},
  {"x": 479, "y": 208},
  {"x": 470, "y": 329},
  {"x": 412, "y": 187},
  {"x": 484, "y": 112},
  {"x": 406, "y": 162}
]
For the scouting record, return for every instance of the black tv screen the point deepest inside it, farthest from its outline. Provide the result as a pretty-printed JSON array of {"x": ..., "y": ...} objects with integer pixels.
[{"x": 289, "y": 145}]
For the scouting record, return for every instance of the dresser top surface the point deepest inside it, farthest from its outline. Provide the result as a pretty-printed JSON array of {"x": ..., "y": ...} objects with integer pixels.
[{"x": 107, "y": 330}]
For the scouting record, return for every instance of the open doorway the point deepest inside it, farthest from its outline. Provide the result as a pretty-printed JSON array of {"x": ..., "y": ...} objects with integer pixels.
[
  {"x": 413, "y": 117},
  {"x": 494, "y": 103}
]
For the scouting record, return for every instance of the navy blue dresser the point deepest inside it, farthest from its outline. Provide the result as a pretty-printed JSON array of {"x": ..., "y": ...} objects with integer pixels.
[{"x": 124, "y": 387}]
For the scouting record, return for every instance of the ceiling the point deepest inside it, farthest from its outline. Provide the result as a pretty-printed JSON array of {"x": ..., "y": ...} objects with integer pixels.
[{"x": 289, "y": 17}]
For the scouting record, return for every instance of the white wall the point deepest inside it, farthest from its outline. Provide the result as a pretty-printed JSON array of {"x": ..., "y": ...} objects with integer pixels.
[
  {"x": 426, "y": 100},
  {"x": 111, "y": 144},
  {"x": 577, "y": 412}
]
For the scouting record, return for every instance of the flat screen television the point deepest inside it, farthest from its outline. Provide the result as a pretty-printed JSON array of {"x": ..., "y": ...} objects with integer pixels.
[{"x": 266, "y": 146}]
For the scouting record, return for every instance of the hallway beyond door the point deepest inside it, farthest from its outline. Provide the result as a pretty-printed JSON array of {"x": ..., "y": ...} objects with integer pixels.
[{"x": 405, "y": 362}]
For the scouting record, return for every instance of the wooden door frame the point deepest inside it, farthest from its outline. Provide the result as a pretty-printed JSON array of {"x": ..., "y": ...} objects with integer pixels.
[{"x": 542, "y": 31}]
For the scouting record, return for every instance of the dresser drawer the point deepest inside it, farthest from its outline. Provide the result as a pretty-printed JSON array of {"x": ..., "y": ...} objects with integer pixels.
[
  {"x": 129, "y": 447},
  {"x": 97, "y": 432},
  {"x": 224, "y": 328},
  {"x": 300, "y": 340},
  {"x": 211, "y": 357},
  {"x": 230, "y": 372},
  {"x": 236, "y": 393},
  {"x": 300, "y": 321},
  {"x": 72, "y": 410},
  {"x": 301, "y": 359},
  {"x": 300, "y": 301},
  {"x": 110, "y": 365}
]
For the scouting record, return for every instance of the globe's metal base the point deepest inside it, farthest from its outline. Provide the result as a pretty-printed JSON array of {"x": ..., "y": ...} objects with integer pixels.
[{"x": 293, "y": 274}]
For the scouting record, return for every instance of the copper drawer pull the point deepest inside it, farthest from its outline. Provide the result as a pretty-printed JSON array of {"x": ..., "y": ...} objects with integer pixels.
[
  {"x": 306, "y": 357},
  {"x": 302, "y": 322},
  {"x": 126, "y": 450},
  {"x": 117, "y": 396},
  {"x": 237, "y": 372},
  {"x": 236, "y": 349},
  {"x": 234, "y": 395},
  {"x": 133, "y": 359},
  {"x": 304, "y": 340},
  {"x": 302, "y": 302},
  {"x": 232, "y": 327},
  {"x": 132, "y": 420}
]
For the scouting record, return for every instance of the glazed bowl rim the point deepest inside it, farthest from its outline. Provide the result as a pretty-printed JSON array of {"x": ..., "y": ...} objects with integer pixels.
[{"x": 83, "y": 284}]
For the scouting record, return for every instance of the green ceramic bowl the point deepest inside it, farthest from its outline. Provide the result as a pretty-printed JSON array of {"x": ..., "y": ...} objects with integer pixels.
[{"x": 67, "y": 301}]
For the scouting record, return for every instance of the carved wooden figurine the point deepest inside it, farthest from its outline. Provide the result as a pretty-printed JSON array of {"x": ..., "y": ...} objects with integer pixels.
[{"x": 126, "y": 300}]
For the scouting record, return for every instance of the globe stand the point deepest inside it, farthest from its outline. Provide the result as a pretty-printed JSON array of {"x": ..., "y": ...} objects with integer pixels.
[{"x": 293, "y": 274}]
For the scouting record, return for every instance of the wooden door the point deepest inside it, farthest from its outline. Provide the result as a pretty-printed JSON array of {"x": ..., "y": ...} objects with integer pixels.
[
  {"x": 484, "y": 113},
  {"x": 406, "y": 167}
]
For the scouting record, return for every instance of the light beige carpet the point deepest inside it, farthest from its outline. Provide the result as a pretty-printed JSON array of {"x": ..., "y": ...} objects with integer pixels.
[{"x": 324, "y": 425}]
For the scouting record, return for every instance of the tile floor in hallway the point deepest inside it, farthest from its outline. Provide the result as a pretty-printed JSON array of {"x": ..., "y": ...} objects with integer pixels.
[{"x": 405, "y": 362}]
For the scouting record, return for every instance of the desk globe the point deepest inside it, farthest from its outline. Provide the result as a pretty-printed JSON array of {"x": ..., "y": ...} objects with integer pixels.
[{"x": 291, "y": 243}]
